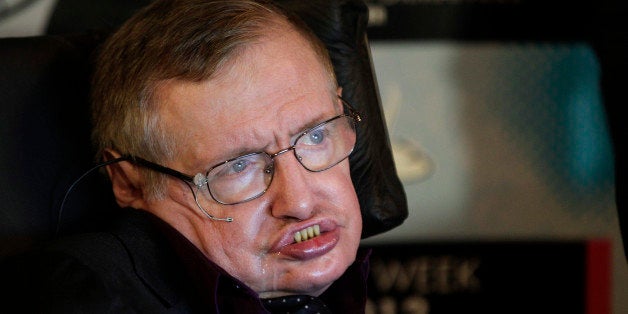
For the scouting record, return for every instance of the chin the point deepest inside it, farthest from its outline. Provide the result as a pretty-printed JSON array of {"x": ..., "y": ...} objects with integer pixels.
[
  {"x": 307, "y": 279},
  {"x": 317, "y": 278}
]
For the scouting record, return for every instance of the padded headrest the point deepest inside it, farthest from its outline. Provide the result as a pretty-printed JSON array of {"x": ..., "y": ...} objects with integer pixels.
[{"x": 45, "y": 137}]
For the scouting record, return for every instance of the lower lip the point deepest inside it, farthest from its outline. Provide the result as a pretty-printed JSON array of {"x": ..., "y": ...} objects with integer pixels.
[{"x": 312, "y": 248}]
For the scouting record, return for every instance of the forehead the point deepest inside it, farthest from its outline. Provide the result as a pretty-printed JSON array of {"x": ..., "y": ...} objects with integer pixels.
[{"x": 275, "y": 87}]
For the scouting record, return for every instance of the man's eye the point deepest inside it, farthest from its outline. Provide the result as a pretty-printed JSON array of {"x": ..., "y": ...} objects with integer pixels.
[
  {"x": 238, "y": 166},
  {"x": 316, "y": 137}
]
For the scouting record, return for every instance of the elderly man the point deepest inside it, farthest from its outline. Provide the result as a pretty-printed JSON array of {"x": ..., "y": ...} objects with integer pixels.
[{"x": 225, "y": 131}]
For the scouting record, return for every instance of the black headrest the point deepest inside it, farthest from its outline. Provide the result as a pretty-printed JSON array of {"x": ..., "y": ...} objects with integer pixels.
[{"x": 45, "y": 136}]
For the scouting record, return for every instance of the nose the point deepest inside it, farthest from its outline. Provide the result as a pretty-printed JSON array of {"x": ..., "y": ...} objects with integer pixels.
[{"x": 292, "y": 194}]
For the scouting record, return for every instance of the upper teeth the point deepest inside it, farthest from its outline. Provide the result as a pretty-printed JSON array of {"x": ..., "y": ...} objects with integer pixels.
[{"x": 307, "y": 233}]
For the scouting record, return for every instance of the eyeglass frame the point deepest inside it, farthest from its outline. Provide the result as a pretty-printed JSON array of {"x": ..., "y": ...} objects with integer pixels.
[{"x": 351, "y": 113}]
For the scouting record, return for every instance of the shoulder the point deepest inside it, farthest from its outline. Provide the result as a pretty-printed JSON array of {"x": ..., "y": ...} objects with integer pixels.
[
  {"x": 70, "y": 271},
  {"x": 102, "y": 272}
]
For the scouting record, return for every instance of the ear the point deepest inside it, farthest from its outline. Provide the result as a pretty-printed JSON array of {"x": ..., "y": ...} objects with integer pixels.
[{"x": 127, "y": 182}]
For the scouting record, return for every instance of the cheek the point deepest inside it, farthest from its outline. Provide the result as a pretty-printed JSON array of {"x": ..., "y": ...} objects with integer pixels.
[
  {"x": 355, "y": 212},
  {"x": 237, "y": 243},
  {"x": 344, "y": 196},
  {"x": 245, "y": 230},
  {"x": 343, "y": 187}
]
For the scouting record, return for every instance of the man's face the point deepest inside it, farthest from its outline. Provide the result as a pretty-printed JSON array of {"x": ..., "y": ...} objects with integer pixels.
[{"x": 261, "y": 102}]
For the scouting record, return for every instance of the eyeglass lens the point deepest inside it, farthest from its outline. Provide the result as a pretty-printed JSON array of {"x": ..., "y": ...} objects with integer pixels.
[{"x": 249, "y": 176}]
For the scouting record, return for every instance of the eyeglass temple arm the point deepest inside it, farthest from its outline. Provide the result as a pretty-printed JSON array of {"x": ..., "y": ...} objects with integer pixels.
[
  {"x": 159, "y": 168},
  {"x": 352, "y": 112}
]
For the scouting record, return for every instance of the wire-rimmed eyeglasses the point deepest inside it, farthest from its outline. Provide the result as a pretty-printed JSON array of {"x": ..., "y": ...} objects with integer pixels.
[{"x": 249, "y": 176}]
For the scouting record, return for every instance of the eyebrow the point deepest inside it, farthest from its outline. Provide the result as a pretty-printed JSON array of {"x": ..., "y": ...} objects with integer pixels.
[
  {"x": 307, "y": 127},
  {"x": 236, "y": 152}
]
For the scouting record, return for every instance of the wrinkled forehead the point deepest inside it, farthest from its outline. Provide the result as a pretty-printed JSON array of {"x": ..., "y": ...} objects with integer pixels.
[{"x": 278, "y": 84}]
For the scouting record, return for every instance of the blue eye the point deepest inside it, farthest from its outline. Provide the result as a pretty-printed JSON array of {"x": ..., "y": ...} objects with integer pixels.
[
  {"x": 316, "y": 136},
  {"x": 239, "y": 166}
]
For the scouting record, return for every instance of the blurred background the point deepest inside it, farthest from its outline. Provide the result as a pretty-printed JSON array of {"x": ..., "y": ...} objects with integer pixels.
[{"x": 501, "y": 137}]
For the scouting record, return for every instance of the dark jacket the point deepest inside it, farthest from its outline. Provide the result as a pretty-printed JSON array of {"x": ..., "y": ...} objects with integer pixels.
[{"x": 142, "y": 265}]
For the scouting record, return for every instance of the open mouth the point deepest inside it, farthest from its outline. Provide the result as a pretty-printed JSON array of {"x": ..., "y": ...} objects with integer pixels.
[{"x": 307, "y": 233}]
